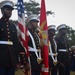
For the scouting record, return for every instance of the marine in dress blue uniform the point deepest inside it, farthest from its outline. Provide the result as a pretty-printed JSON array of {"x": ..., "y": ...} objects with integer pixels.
[
  {"x": 63, "y": 50},
  {"x": 52, "y": 50},
  {"x": 10, "y": 47},
  {"x": 34, "y": 44},
  {"x": 72, "y": 58}
]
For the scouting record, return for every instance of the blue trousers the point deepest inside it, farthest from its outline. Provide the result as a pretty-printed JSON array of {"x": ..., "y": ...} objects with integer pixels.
[
  {"x": 65, "y": 71},
  {"x": 7, "y": 71},
  {"x": 35, "y": 72},
  {"x": 53, "y": 72}
]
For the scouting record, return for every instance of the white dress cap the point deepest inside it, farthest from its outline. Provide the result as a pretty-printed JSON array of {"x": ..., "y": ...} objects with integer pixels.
[
  {"x": 6, "y": 3},
  {"x": 61, "y": 26},
  {"x": 52, "y": 27},
  {"x": 32, "y": 17}
]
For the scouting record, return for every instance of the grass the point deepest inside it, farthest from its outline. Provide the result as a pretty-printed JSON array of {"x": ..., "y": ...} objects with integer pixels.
[
  {"x": 72, "y": 73},
  {"x": 20, "y": 72}
]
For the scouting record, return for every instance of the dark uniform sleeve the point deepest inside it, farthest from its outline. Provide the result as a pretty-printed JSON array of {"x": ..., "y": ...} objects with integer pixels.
[{"x": 23, "y": 56}]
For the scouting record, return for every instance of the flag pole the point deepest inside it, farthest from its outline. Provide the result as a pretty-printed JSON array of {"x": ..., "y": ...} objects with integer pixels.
[
  {"x": 43, "y": 29},
  {"x": 23, "y": 29}
]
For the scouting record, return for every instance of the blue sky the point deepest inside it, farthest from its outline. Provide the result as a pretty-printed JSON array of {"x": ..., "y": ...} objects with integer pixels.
[{"x": 64, "y": 12}]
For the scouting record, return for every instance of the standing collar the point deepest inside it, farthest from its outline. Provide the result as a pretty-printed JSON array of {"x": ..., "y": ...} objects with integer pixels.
[{"x": 5, "y": 19}]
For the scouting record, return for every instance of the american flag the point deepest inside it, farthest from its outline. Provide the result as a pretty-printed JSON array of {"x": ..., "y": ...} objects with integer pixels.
[
  {"x": 22, "y": 28},
  {"x": 21, "y": 24},
  {"x": 21, "y": 19}
]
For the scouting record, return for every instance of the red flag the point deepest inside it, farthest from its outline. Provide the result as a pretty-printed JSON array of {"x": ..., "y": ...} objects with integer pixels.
[
  {"x": 43, "y": 27},
  {"x": 22, "y": 29}
]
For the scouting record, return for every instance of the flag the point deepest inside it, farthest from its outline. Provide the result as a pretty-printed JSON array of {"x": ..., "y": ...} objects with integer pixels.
[
  {"x": 43, "y": 29},
  {"x": 22, "y": 28}
]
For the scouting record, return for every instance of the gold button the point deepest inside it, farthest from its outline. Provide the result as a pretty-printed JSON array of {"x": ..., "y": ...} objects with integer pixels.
[
  {"x": 7, "y": 22},
  {"x": 2, "y": 29},
  {"x": 7, "y": 25},
  {"x": 7, "y": 28},
  {"x": 8, "y": 32},
  {"x": 8, "y": 36}
]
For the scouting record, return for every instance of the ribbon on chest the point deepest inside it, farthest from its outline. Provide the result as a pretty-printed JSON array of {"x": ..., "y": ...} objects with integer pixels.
[
  {"x": 53, "y": 55},
  {"x": 34, "y": 49}
]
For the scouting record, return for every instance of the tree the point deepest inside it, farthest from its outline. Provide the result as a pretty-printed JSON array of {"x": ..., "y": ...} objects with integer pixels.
[
  {"x": 32, "y": 7},
  {"x": 71, "y": 36}
]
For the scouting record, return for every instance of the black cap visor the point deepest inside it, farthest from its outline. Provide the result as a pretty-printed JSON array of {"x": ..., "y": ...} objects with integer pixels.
[{"x": 7, "y": 6}]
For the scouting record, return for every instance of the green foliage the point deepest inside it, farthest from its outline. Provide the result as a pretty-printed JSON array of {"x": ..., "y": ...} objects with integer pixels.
[
  {"x": 32, "y": 8},
  {"x": 71, "y": 36}
]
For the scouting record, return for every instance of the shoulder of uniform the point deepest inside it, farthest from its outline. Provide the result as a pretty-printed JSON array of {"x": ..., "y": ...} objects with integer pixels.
[
  {"x": 57, "y": 38},
  {"x": 0, "y": 20},
  {"x": 12, "y": 23}
]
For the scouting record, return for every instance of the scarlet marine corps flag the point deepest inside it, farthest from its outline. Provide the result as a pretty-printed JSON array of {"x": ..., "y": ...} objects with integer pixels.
[{"x": 43, "y": 28}]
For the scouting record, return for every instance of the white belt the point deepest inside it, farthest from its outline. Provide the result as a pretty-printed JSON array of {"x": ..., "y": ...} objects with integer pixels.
[
  {"x": 53, "y": 54},
  {"x": 6, "y": 42},
  {"x": 33, "y": 50},
  {"x": 73, "y": 55},
  {"x": 62, "y": 50},
  {"x": 44, "y": 69}
]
